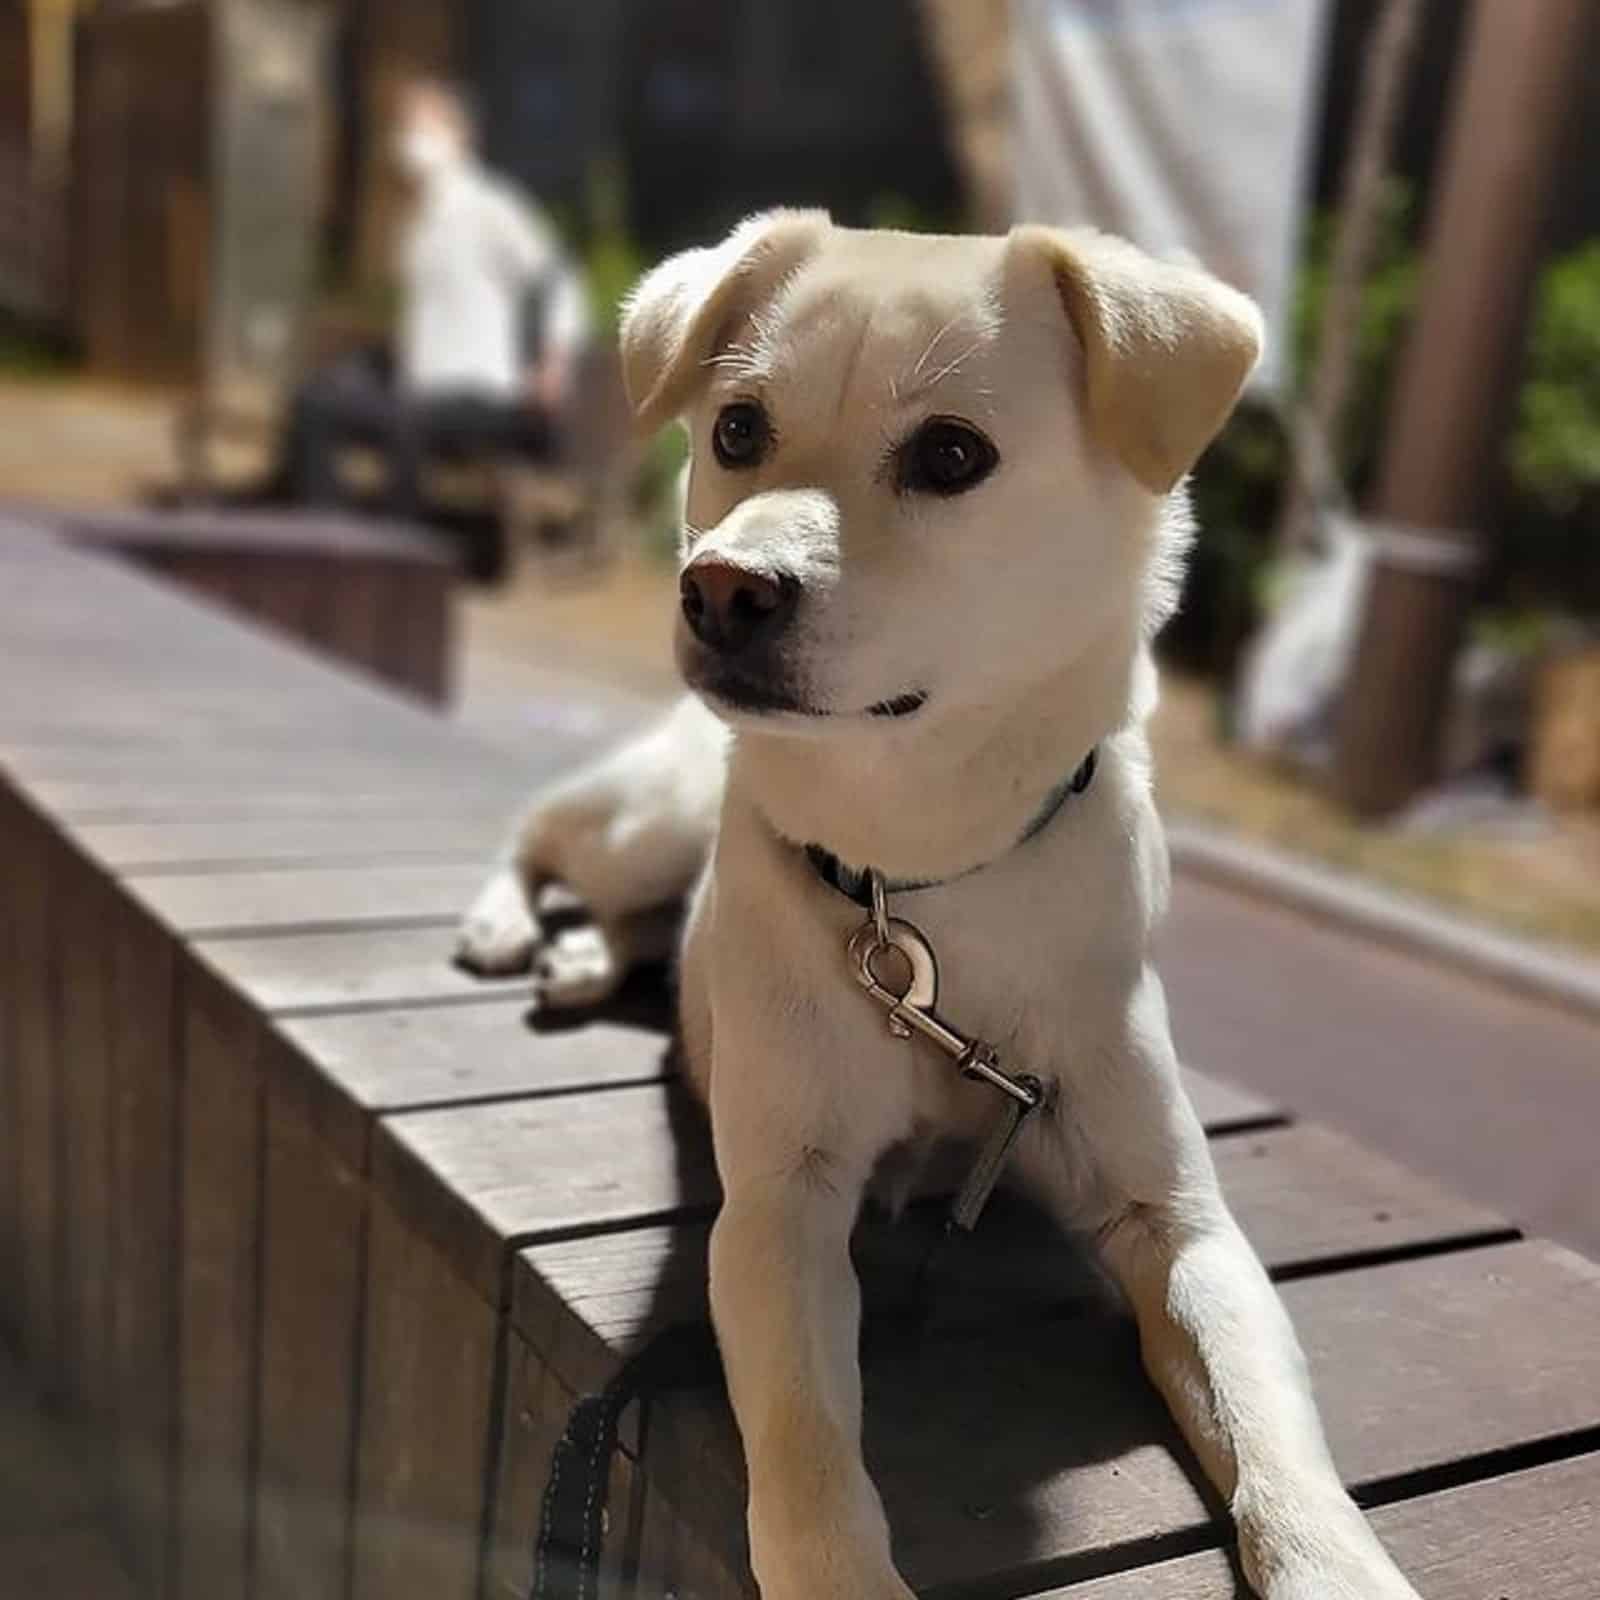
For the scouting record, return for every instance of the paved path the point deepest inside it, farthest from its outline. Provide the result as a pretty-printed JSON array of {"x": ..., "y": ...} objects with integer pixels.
[{"x": 1494, "y": 1093}]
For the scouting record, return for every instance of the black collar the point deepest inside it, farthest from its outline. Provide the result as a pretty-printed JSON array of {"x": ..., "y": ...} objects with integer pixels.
[{"x": 852, "y": 881}]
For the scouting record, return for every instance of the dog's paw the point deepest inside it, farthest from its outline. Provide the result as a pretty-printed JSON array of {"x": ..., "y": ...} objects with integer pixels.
[
  {"x": 498, "y": 936},
  {"x": 576, "y": 969}
]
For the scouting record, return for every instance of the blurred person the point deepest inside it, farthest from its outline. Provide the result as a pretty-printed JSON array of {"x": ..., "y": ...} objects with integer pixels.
[{"x": 492, "y": 324}]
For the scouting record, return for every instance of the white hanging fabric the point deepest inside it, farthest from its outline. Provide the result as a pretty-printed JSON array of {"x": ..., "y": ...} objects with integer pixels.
[{"x": 1185, "y": 125}]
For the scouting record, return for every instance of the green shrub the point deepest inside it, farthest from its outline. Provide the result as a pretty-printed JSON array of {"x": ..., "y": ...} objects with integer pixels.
[
  {"x": 612, "y": 259},
  {"x": 1555, "y": 446},
  {"x": 1388, "y": 298},
  {"x": 654, "y": 492},
  {"x": 26, "y": 352},
  {"x": 1239, "y": 484}
]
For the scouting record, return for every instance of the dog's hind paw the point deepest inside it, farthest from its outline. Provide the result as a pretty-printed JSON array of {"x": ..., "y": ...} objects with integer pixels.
[
  {"x": 498, "y": 936},
  {"x": 577, "y": 969}
]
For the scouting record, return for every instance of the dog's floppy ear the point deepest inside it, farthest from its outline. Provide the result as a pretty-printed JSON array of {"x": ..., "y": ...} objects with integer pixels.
[
  {"x": 1167, "y": 347},
  {"x": 674, "y": 317}
]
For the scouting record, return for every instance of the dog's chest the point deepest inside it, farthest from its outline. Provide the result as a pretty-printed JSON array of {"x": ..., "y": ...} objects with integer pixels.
[{"x": 1022, "y": 960}]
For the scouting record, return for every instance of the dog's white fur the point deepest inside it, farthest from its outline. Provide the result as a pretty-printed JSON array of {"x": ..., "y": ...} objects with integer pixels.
[{"x": 1022, "y": 610}]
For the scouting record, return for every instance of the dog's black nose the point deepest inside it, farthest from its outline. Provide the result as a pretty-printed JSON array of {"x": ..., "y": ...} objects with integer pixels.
[{"x": 731, "y": 609}]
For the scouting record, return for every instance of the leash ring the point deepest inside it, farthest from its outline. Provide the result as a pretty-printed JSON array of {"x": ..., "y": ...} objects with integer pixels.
[{"x": 880, "y": 906}]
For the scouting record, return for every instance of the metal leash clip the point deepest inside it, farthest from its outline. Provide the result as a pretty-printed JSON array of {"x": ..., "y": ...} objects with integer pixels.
[{"x": 911, "y": 1011}]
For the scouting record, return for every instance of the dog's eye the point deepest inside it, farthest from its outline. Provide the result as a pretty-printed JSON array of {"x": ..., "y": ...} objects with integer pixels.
[
  {"x": 946, "y": 457},
  {"x": 741, "y": 434}
]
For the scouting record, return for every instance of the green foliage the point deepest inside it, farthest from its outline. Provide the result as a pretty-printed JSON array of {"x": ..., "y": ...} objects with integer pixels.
[
  {"x": 1239, "y": 485},
  {"x": 654, "y": 491},
  {"x": 1236, "y": 489},
  {"x": 26, "y": 353},
  {"x": 1387, "y": 300},
  {"x": 1555, "y": 447},
  {"x": 612, "y": 260},
  {"x": 895, "y": 211}
]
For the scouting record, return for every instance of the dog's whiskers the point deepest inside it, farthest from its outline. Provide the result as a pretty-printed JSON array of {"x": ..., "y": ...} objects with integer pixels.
[
  {"x": 953, "y": 366},
  {"x": 739, "y": 360},
  {"x": 933, "y": 344}
]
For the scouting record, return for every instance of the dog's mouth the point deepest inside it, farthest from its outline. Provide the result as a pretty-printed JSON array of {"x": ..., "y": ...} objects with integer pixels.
[
  {"x": 903, "y": 705},
  {"x": 764, "y": 700}
]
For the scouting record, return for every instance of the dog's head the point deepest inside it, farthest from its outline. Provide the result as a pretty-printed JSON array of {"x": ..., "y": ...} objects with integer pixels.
[{"x": 924, "y": 470}]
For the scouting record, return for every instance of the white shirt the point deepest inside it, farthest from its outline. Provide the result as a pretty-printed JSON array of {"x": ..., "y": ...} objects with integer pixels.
[{"x": 471, "y": 253}]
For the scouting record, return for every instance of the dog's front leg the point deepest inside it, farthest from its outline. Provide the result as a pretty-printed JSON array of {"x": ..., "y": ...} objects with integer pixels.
[
  {"x": 787, "y": 1307},
  {"x": 1216, "y": 1339}
]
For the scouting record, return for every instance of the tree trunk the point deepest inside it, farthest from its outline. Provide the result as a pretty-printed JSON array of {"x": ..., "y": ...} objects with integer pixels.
[{"x": 1512, "y": 109}]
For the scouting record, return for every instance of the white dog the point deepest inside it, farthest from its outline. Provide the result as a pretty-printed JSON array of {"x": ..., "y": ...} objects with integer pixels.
[{"x": 933, "y": 521}]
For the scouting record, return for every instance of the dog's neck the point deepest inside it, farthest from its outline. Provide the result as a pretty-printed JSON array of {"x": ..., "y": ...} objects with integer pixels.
[{"x": 938, "y": 798}]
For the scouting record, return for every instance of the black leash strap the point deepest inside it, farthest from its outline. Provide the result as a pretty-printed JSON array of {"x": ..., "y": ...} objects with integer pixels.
[{"x": 566, "y": 1555}]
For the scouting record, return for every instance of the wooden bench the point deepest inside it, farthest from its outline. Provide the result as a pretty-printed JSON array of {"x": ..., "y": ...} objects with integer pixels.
[
  {"x": 373, "y": 595},
  {"x": 319, "y": 1241}
]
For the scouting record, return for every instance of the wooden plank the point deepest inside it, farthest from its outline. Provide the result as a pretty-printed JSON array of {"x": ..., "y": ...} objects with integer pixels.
[
  {"x": 375, "y": 966},
  {"x": 11, "y": 844},
  {"x": 1066, "y": 1451},
  {"x": 85, "y": 1020},
  {"x": 1524, "y": 1535},
  {"x": 117, "y": 769},
  {"x": 207, "y": 796},
  {"x": 1224, "y": 1106},
  {"x": 35, "y": 919},
  {"x": 419, "y": 1056},
  {"x": 659, "y": 1560},
  {"x": 1305, "y": 1195},
  {"x": 426, "y": 1422},
  {"x": 529, "y": 1168},
  {"x": 313, "y": 1249},
  {"x": 352, "y": 628},
  {"x": 1070, "y": 1464},
  {"x": 418, "y": 648},
  {"x": 307, "y": 580},
  {"x": 41, "y": 1485},
  {"x": 480, "y": 1177},
  {"x": 644, "y": 1533},
  {"x": 535, "y": 1408},
  {"x": 218, "y": 1262},
  {"x": 1308, "y": 1196},
  {"x": 146, "y": 1072},
  {"x": 326, "y": 1076},
  {"x": 240, "y": 698},
  {"x": 328, "y": 538},
  {"x": 145, "y": 846},
  {"x": 284, "y": 594},
  {"x": 205, "y": 904},
  {"x": 64, "y": 1564}
]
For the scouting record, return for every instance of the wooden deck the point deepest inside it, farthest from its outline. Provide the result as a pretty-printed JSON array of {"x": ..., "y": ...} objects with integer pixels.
[{"x": 317, "y": 1240}]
